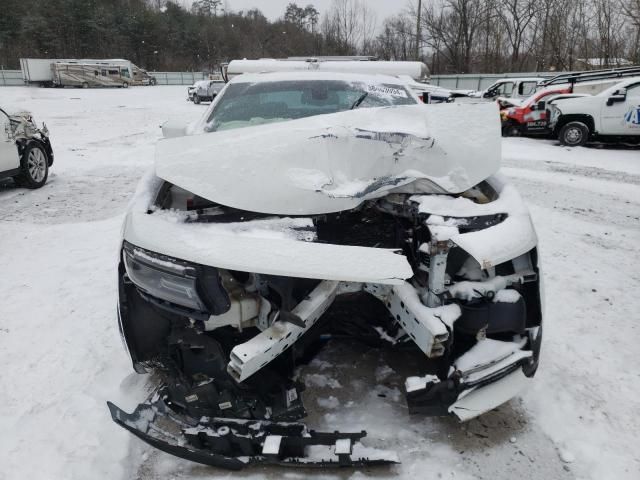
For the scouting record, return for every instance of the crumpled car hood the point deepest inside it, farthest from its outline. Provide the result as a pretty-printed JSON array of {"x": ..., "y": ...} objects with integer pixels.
[{"x": 334, "y": 162}]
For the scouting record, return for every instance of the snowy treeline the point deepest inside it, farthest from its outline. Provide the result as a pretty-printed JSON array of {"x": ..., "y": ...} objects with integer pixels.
[
  {"x": 465, "y": 36},
  {"x": 459, "y": 36}
]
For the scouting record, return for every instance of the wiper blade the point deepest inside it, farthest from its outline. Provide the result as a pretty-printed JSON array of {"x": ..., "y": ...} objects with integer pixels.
[{"x": 360, "y": 99}]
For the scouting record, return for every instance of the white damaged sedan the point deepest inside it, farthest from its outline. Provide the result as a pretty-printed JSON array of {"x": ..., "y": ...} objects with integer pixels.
[{"x": 313, "y": 206}]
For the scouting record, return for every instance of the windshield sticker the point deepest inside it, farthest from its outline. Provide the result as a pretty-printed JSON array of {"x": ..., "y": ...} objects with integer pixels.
[{"x": 382, "y": 90}]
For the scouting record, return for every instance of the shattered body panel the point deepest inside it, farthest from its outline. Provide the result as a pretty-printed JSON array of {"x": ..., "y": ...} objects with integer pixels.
[{"x": 244, "y": 249}]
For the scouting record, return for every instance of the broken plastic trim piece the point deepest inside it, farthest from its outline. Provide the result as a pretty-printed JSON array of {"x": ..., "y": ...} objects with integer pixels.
[{"x": 236, "y": 443}]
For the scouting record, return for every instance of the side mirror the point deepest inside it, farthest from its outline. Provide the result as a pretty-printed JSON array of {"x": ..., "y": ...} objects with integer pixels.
[
  {"x": 489, "y": 94},
  {"x": 618, "y": 96},
  {"x": 174, "y": 128},
  {"x": 541, "y": 105}
]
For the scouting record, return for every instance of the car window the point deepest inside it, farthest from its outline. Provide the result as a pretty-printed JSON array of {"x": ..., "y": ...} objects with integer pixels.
[
  {"x": 527, "y": 88},
  {"x": 504, "y": 89},
  {"x": 246, "y": 104}
]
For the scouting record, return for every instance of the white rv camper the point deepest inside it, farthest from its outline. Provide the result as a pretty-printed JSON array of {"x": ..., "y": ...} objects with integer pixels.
[
  {"x": 85, "y": 75},
  {"x": 41, "y": 71}
]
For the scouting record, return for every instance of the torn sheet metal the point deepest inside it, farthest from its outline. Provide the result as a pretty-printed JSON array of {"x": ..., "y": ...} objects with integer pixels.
[
  {"x": 334, "y": 162},
  {"x": 494, "y": 245},
  {"x": 485, "y": 398}
]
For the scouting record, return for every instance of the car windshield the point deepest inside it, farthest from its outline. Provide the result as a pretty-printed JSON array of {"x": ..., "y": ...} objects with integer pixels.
[{"x": 247, "y": 104}]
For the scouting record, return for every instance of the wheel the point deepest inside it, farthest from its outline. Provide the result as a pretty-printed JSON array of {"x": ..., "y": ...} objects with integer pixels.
[
  {"x": 125, "y": 85},
  {"x": 152, "y": 82},
  {"x": 574, "y": 134},
  {"x": 196, "y": 99},
  {"x": 510, "y": 130},
  {"x": 34, "y": 167},
  {"x": 85, "y": 85}
]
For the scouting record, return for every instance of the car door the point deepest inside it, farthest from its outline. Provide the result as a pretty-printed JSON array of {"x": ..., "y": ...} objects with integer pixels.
[
  {"x": 9, "y": 158},
  {"x": 622, "y": 117}
]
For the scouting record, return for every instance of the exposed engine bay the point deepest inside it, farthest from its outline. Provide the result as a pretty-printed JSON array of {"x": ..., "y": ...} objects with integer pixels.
[
  {"x": 226, "y": 302},
  {"x": 228, "y": 341}
]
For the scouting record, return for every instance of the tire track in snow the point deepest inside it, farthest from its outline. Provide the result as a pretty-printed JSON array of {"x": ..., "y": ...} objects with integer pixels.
[
  {"x": 584, "y": 171},
  {"x": 606, "y": 209}
]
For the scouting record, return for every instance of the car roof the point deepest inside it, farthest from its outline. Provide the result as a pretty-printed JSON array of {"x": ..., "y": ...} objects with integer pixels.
[{"x": 307, "y": 75}]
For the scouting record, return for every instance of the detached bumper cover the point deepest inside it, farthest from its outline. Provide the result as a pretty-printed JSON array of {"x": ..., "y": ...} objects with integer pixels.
[{"x": 236, "y": 443}]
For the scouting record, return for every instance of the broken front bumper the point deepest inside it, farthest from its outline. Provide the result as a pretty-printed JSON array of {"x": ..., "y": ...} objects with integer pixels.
[
  {"x": 498, "y": 316},
  {"x": 236, "y": 443}
]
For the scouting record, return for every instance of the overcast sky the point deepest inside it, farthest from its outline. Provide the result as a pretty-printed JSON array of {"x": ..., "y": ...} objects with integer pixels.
[{"x": 274, "y": 9}]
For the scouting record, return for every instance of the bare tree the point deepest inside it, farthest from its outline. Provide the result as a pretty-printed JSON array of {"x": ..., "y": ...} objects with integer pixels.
[
  {"x": 454, "y": 25},
  {"x": 350, "y": 24},
  {"x": 517, "y": 17},
  {"x": 397, "y": 40}
]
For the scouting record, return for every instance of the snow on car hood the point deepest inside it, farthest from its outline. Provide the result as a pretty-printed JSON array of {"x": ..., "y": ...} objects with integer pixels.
[{"x": 329, "y": 163}]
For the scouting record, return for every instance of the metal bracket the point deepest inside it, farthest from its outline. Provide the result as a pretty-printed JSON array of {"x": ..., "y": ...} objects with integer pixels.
[
  {"x": 249, "y": 357},
  {"x": 438, "y": 252},
  {"x": 423, "y": 324}
]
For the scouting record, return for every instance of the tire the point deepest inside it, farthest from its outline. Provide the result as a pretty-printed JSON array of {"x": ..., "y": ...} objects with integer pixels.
[
  {"x": 34, "y": 167},
  {"x": 152, "y": 82},
  {"x": 196, "y": 99},
  {"x": 125, "y": 85},
  {"x": 85, "y": 85},
  {"x": 510, "y": 130},
  {"x": 574, "y": 134}
]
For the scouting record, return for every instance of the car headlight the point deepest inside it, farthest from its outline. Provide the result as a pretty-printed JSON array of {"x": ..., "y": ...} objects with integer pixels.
[{"x": 176, "y": 281}]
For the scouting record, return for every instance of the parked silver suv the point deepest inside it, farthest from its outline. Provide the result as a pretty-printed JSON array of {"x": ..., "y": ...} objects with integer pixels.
[{"x": 25, "y": 150}]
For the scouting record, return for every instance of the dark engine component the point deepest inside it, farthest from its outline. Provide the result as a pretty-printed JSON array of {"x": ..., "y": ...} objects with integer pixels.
[
  {"x": 493, "y": 317},
  {"x": 363, "y": 227}
]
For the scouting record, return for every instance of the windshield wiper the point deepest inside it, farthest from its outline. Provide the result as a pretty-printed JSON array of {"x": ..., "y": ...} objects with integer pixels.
[{"x": 360, "y": 99}]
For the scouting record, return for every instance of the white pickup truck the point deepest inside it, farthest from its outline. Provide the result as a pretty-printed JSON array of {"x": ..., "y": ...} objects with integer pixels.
[
  {"x": 205, "y": 90},
  {"x": 611, "y": 115},
  {"x": 512, "y": 88}
]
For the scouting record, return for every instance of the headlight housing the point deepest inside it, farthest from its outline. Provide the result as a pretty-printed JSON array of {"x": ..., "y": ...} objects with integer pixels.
[{"x": 175, "y": 281}]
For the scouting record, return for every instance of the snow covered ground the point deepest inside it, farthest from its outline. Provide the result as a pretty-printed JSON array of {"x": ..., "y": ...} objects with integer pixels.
[{"x": 62, "y": 357}]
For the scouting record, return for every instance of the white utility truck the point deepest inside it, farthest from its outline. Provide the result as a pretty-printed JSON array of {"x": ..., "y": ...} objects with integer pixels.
[{"x": 611, "y": 115}]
